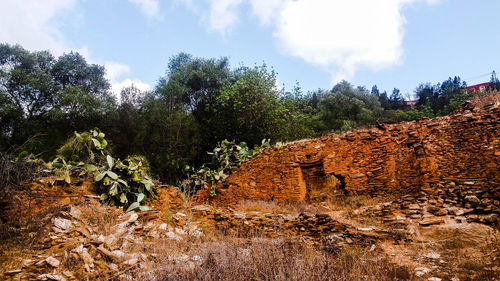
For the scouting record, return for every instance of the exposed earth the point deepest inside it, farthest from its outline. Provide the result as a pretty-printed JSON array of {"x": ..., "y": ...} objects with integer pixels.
[{"x": 411, "y": 201}]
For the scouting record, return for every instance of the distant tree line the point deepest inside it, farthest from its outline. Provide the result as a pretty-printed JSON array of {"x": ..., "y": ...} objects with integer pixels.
[{"x": 196, "y": 104}]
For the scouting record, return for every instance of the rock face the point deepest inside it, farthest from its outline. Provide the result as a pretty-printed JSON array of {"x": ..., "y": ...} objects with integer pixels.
[{"x": 460, "y": 151}]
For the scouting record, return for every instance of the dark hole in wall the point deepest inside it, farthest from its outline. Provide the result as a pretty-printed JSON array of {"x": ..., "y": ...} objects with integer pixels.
[
  {"x": 340, "y": 182},
  {"x": 314, "y": 176}
]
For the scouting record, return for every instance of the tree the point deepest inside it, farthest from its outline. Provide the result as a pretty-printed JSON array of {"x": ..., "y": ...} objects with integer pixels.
[
  {"x": 72, "y": 70},
  {"x": 494, "y": 82},
  {"x": 396, "y": 99},
  {"x": 50, "y": 96}
]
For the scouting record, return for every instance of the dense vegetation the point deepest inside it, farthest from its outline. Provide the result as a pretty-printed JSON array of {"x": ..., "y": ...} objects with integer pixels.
[{"x": 197, "y": 104}]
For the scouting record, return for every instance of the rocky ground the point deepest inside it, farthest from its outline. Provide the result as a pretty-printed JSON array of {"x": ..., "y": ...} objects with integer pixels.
[{"x": 79, "y": 239}]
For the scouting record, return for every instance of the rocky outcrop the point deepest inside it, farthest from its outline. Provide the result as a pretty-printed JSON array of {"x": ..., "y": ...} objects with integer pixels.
[{"x": 455, "y": 159}]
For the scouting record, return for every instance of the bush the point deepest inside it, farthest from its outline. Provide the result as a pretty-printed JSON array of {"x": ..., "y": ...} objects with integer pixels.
[
  {"x": 226, "y": 158},
  {"x": 123, "y": 183},
  {"x": 15, "y": 170}
]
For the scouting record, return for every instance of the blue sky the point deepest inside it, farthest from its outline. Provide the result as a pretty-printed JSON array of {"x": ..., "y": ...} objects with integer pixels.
[{"x": 391, "y": 43}]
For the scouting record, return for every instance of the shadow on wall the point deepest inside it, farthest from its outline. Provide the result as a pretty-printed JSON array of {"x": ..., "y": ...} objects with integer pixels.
[{"x": 318, "y": 185}]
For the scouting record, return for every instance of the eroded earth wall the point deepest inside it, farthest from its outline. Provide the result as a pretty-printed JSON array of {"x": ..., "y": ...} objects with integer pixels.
[{"x": 462, "y": 148}]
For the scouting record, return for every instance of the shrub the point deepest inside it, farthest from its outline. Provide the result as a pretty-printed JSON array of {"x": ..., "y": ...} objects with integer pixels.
[
  {"x": 15, "y": 170},
  {"x": 226, "y": 157},
  {"x": 83, "y": 147},
  {"x": 123, "y": 183}
]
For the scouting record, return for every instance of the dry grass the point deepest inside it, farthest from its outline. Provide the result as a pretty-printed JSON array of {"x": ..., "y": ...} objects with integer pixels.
[
  {"x": 469, "y": 252},
  {"x": 480, "y": 100},
  {"x": 273, "y": 259}
]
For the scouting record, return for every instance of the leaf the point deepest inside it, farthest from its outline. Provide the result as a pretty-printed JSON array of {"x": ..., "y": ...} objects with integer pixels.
[
  {"x": 133, "y": 206},
  {"x": 97, "y": 144},
  {"x": 110, "y": 161},
  {"x": 104, "y": 196},
  {"x": 123, "y": 198},
  {"x": 99, "y": 176},
  {"x": 144, "y": 208},
  {"x": 112, "y": 175},
  {"x": 67, "y": 178},
  {"x": 113, "y": 191},
  {"x": 140, "y": 197},
  {"x": 122, "y": 182},
  {"x": 90, "y": 168},
  {"x": 148, "y": 184}
]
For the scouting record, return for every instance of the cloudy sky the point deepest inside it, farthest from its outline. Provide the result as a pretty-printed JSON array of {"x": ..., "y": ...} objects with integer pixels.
[{"x": 391, "y": 43}]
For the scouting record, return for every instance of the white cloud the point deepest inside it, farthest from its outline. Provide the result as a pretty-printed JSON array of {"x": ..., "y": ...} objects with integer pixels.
[
  {"x": 33, "y": 25},
  {"x": 150, "y": 8},
  {"x": 339, "y": 36},
  {"x": 223, "y": 13},
  {"x": 343, "y": 36},
  {"x": 266, "y": 10},
  {"x": 115, "y": 70},
  {"x": 118, "y": 86}
]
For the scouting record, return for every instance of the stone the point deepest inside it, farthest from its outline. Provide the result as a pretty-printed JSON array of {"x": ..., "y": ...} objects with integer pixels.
[
  {"x": 132, "y": 261},
  {"x": 172, "y": 235},
  {"x": 441, "y": 212},
  {"x": 119, "y": 254},
  {"x": 28, "y": 262},
  {"x": 75, "y": 213},
  {"x": 13, "y": 272},
  {"x": 85, "y": 256},
  {"x": 432, "y": 255},
  {"x": 113, "y": 266},
  {"x": 420, "y": 271},
  {"x": 431, "y": 221},
  {"x": 472, "y": 199},
  {"x": 133, "y": 218},
  {"x": 107, "y": 253},
  {"x": 52, "y": 261},
  {"x": 55, "y": 277},
  {"x": 434, "y": 279},
  {"x": 62, "y": 224},
  {"x": 365, "y": 229},
  {"x": 433, "y": 209},
  {"x": 179, "y": 219}
]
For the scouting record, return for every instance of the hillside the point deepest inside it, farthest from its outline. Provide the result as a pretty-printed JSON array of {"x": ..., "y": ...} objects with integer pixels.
[{"x": 409, "y": 201}]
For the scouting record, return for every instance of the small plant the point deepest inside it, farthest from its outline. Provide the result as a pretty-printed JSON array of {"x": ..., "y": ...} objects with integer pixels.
[
  {"x": 226, "y": 158},
  {"x": 83, "y": 147},
  {"x": 123, "y": 183}
]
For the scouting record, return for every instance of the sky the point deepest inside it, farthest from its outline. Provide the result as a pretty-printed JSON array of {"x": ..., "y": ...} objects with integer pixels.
[{"x": 317, "y": 43}]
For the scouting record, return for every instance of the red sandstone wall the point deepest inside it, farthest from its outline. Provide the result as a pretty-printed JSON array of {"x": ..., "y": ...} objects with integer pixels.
[{"x": 398, "y": 158}]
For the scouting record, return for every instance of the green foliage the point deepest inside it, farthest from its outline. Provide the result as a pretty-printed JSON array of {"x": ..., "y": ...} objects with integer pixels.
[
  {"x": 88, "y": 147},
  {"x": 197, "y": 103},
  {"x": 120, "y": 182},
  {"x": 441, "y": 99},
  {"x": 125, "y": 183},
  {"x": 346, "y": 107},
  {"x": 226, "y": 158},
  {"x": 56, "y": 96}
]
